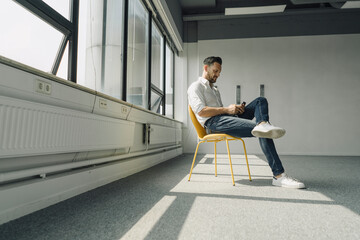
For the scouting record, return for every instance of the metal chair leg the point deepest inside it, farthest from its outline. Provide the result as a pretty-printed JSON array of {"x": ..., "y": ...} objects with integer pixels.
[
  {"x": 232, "y": 174},
  {"x": 192, "y": 165},
  {"x": 215, "y": 160},
  {"x": 247, "y": 162}
]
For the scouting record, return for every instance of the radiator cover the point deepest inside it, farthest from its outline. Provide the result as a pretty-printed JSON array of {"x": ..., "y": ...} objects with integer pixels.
[{"x": 28, "y": 128}]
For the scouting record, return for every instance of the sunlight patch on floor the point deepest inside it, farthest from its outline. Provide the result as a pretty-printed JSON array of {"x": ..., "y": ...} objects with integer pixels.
[
  {"x": 146, "y": 223},
  {"x": 203, "y": 180}
]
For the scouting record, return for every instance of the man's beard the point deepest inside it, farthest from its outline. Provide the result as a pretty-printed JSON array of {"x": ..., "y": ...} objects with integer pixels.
[{"x": 210, "y": 78}]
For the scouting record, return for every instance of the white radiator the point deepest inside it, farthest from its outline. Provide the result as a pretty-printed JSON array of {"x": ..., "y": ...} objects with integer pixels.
[{"x": 28, "y": 128}]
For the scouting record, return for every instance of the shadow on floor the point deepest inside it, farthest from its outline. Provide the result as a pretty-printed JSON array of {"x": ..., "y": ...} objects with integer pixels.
[{"x": 336, "y": 177}]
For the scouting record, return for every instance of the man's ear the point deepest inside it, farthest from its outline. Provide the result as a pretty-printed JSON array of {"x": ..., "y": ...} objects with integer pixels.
[{"x": 206, "y": 68}]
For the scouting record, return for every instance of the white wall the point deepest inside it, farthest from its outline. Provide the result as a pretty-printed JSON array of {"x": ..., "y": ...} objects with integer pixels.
[{"x": 312, "y": 84}]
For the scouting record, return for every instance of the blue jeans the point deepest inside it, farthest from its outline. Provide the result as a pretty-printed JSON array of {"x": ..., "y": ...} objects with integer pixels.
[{"x": 241, "y": 126}]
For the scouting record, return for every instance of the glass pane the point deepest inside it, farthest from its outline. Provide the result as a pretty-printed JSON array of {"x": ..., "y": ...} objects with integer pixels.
[
  {"x": 137, "y": 54},
  {"x": 100, "y": 50},
  {"x": 112, "y": 77},
  {"x": 62, "y": 7},
  {"x": 169, "y": 81},
  {"x": 26, "y": 38},
  {"x": 86, "y": 70},
  {"x": 63, "y": 68},
  {"x": 157, "y": 58},
  {"x": 156, "y": 103},
  {"x": 89, "y": 43}
]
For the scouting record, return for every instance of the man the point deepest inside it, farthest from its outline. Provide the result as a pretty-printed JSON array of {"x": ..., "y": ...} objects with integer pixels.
[{"x": 236, "y": 120}]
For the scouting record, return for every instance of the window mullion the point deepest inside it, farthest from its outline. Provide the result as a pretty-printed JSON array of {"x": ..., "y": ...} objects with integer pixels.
[
  {"x": 172, "y": 82},
  {"x": 164, "y": 74},
  {"x": 73, "y": 41},
  {"x": 125, "y": 46},
  {"x": 103, "y": 45},
  {"x": 149, "y": 60}
]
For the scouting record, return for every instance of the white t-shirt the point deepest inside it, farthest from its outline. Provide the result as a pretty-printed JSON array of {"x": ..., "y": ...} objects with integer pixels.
[{"x": 201, "y": 95}]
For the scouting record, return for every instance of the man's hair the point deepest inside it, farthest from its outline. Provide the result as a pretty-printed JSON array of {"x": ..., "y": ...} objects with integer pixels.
[{"x": 211, "y": 60}]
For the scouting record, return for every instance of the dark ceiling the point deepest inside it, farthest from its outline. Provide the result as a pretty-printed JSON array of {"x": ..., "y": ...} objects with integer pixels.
[
  {"x": 195, "y": 7},
  {"x": 206, "y": 19}
]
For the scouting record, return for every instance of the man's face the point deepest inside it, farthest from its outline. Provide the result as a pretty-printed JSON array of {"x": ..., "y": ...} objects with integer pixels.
[{"x": 213, "y": 72}]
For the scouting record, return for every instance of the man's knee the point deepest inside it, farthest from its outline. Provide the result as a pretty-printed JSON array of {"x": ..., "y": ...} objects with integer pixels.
[{"x": 262, "y": 100}]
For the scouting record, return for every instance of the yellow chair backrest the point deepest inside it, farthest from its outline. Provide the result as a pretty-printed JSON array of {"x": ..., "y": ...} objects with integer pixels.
[{"x": 201, "y": 132}]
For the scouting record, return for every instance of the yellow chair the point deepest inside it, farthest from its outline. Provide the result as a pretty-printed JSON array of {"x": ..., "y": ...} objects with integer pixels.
[{"x": 218, "y": 137}]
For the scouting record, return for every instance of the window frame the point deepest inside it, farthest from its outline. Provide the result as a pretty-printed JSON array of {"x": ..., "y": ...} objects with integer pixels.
[
  {"x": 148, "y": 52},
  {"x": 153, "y": 87},
  {"x": 172, "y": 77},
  {"x": 70, "y": 30},
  {"x": 63, "y": 25}
]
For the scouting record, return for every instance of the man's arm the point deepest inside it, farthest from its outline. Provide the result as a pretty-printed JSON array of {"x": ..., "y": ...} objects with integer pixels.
[{"x": 213, "y": 111}]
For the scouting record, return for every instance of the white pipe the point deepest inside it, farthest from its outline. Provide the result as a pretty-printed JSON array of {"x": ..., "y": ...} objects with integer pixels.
[{"x": 42, "y": 171}]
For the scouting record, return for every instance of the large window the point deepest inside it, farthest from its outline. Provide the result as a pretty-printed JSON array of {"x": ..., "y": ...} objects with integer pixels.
[
  {"x": 157, "y": 58},
  {"x": 62, "y": 7},
  {"x": 26, "y": 38},
  {"x": 157, "y": 70},
  {"x": 169, "y": 82},
  {"x": 86, "y": 42},
  {"x": 100, "y": 46},
  {"x": 37, "y": 33},
  {"x": 137, "y": 54}
]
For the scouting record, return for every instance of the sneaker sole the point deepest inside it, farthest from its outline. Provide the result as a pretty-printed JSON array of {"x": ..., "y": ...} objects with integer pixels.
[
  {"x": 273, "y": 134},
  {"x": 287, "y": 186}
]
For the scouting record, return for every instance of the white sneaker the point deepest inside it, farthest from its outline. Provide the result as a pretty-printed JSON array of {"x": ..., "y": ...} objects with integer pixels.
[
  {"x": 266, "y": 130},
  {"x": 287, "y": 182}
]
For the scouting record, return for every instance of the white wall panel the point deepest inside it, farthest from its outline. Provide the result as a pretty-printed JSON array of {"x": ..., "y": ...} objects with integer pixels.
[
  {"x": 19, "y": 84},
  {"x": 137, "y": 115},
  {"x": 178, "y": 135},
  {"x": 312, "y": 84},
  {"x": 141, "y": 116},
  {"x": 162, "y": 135},
  {"x": 106, "y": 107}
]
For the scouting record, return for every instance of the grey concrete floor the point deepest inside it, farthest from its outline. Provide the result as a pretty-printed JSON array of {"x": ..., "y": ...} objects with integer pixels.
[{"x": 159, "y": 203}]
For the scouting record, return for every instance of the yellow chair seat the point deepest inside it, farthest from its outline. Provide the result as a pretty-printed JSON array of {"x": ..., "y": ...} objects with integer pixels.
[
  {"x": 214, "y": 137},
  {"x": 218, "y": 137}
]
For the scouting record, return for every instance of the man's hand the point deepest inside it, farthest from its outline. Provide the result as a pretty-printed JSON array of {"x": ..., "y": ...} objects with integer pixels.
[
  {"x": 241, "y": 108},
  {"x": 234, "y": 109}
]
